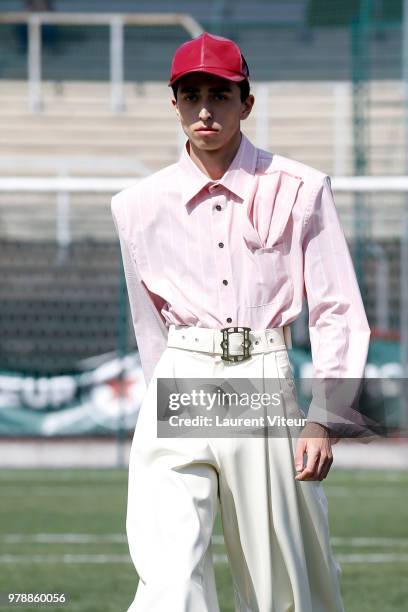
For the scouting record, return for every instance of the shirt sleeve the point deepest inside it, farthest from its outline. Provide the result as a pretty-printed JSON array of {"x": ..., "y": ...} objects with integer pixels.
[
  {"x": 149, "y": 326},
  {"x": 338, "y": 326}
]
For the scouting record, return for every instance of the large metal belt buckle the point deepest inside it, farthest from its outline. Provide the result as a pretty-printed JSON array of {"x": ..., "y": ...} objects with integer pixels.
[{"x": 226, "y": 331}]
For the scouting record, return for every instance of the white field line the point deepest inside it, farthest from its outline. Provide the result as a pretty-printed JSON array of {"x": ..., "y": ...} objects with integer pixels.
[
  {"x": 12, "y": 477},
  {"x": 344, "y": 558},
  {"x": 361, "y": 542},
  {"x": 65, "y": 558},
  {"x": 217, "y": 539},
  {"x": 218, "y": 558},
  {"x": 353, "y": 542},
  {"x": 372, "y": 558},
  {"x": 84, "y": 490},
  {"x": 63, "y": 538},
  {"x": 56, "y": 475}
]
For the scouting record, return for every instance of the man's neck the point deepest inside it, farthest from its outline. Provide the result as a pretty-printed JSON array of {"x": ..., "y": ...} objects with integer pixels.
[{"x": 215, "y": 163}]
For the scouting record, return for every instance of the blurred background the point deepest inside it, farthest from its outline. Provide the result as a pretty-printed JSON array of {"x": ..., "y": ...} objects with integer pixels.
[{"x": 84, "y": 112}]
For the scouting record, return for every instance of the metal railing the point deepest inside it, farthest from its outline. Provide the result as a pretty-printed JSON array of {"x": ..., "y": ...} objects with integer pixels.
[
  {"x": 362, "y": 184},
  {"x": 116, "y": 23}
]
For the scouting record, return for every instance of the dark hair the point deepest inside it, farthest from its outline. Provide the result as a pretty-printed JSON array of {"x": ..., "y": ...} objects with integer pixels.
[{"x": 244, "y": 87}]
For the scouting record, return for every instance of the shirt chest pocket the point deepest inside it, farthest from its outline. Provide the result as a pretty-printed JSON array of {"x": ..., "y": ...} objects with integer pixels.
[{"x": 266, "y": 275}]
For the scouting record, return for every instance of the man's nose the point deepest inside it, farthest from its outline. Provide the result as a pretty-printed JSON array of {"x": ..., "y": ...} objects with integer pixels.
[{"x": 205, "y": 113}]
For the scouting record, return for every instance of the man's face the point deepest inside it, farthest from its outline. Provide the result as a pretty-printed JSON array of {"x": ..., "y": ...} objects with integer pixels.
[{"x": 210, "y": 109}]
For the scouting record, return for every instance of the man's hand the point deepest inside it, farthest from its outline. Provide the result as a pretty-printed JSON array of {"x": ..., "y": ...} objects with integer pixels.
[{"x": 315, "y": 441}]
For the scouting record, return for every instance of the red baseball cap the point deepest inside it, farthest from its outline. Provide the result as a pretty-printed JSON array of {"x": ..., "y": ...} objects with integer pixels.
[{"x": 212, "y": 54}]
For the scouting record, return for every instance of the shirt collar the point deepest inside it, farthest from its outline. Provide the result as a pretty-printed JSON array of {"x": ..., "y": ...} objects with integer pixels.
[{"x": 235, "y": 177}]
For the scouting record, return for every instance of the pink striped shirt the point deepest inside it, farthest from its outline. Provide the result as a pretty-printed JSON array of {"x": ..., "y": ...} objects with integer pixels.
[{"x": 242, "y": 250}]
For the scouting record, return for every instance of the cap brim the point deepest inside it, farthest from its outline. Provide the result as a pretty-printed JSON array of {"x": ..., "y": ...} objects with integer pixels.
[{"x": 225, "y": 74}]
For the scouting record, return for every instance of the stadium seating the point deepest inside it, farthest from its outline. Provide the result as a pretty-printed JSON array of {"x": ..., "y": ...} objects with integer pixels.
[{"x": 77, "y": 121}]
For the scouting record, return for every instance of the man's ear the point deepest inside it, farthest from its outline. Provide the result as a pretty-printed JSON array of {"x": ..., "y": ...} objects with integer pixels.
[
  {"x": 175, "y": 105},
  {"x": 247, "y": 106}
]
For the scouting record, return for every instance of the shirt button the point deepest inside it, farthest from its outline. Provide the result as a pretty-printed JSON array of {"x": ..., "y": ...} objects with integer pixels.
[
  {"x": 220, "y": 244},
  {"x": 225, "y": 282},
  {"x": 218, "y": 207},
  {"x": 229, "y": 320}
]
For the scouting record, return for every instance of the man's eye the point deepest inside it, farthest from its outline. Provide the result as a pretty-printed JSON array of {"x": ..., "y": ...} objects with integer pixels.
[
  {"x": 191, "y": 97},
  {"x": 221, "y": 96}
]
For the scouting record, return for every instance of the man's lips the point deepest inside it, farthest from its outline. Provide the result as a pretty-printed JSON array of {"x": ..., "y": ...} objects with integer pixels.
[{"x": 204, "y": 129}]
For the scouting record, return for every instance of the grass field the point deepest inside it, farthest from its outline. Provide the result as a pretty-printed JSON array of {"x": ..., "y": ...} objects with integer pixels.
[{"x": 64, "y": 531}]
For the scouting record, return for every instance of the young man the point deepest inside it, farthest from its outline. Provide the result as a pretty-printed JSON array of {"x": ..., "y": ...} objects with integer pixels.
[{"x": 233, "y": 237}]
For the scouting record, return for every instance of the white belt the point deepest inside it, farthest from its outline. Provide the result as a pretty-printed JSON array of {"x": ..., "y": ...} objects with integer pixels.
[{"x": 209, "y": 340}]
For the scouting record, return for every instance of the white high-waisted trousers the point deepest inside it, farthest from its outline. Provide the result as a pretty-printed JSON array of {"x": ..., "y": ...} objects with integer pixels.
[{"x": 275, "y": 527}]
